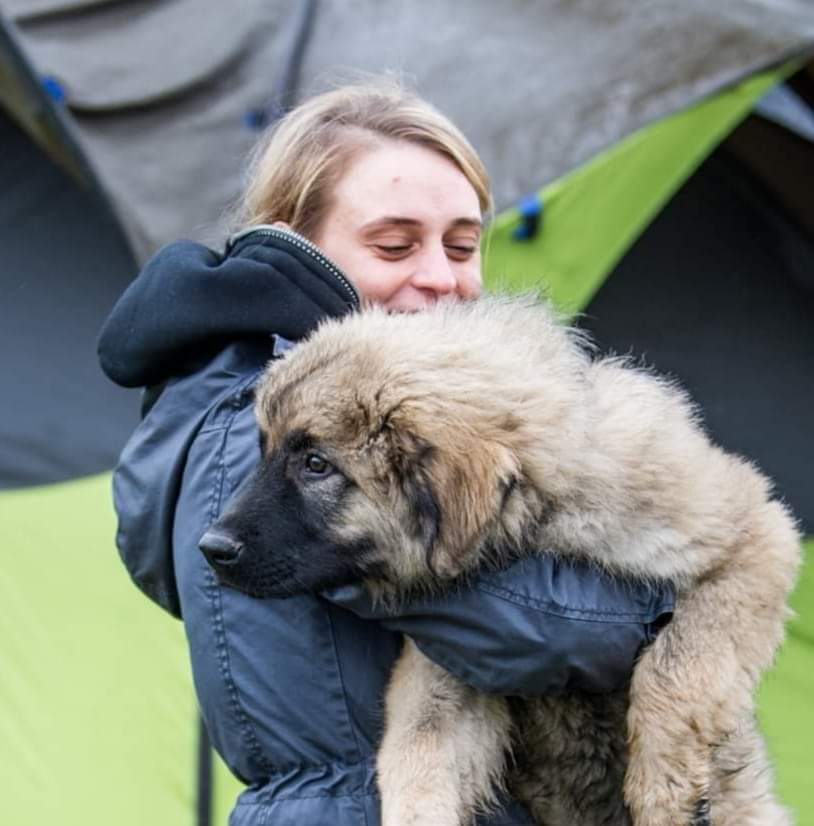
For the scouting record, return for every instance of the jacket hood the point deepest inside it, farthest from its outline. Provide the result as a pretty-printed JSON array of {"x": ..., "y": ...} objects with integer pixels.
[{"x": 190, "y": 301}]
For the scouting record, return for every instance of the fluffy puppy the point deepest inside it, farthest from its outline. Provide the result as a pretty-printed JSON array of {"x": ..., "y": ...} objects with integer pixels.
[{"x": 409, "y": 450}]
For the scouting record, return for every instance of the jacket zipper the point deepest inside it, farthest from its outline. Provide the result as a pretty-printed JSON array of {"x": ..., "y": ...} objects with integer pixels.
[{"x": 303, "y": 244}]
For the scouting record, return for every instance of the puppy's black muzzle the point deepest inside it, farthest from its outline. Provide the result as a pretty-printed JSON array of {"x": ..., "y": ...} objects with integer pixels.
[
  {"x": 220, "y": 549},
  {"x": 237, "y": 545}
]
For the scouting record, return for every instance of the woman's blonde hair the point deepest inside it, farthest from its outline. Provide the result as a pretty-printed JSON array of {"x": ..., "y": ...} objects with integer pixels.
[{"x": 296, "y": 166}]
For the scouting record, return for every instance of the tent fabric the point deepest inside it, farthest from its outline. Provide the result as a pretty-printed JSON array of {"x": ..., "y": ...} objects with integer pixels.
[
  {"x": 31, "y": 9},
  {"x": 726, "y": 315},
  {"x": 609, "y": 201},
  {"x": 786, "y": 108},
  {"x": 98, "y": 719},
  {"x": 63, "y": 263},
  {"x": 24, "y": 95},
  {"x": 155, "y": 120},
  {"x": 102, "y": 67}
]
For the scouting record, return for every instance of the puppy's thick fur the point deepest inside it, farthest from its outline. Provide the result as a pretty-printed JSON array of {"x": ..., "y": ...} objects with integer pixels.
[{"x": 409, "y": 450}]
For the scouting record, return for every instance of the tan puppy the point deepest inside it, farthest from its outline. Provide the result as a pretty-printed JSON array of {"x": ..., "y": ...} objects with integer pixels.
[{"x": 419, "y": 448}]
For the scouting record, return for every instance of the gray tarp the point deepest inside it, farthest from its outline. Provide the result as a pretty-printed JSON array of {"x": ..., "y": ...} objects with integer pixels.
[{"x": 158, "y": 91}]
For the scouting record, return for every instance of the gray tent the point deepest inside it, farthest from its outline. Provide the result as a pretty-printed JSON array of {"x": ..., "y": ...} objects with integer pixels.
[{"x": 160, "y": 97}]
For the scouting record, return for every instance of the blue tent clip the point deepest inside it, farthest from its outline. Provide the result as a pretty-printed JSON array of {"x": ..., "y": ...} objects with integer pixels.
[
  {"x": 54, "y": 88},
  {"x": 255, "y": 118},
  {"x": 531, "y": 213}
]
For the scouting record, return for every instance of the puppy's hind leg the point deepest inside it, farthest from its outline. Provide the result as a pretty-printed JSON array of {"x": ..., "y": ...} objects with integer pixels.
[{"x": 444, "y": 748}]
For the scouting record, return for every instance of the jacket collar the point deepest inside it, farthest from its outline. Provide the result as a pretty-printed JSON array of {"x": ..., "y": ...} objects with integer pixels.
[{"x": 190, "y": 301}]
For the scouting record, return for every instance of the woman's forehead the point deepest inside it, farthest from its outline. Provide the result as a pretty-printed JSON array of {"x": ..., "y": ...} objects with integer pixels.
[{"x": 403, "y": 184}]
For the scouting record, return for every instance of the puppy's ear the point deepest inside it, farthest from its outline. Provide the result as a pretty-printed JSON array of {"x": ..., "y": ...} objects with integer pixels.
[
  {"x": 467, "y": 490},
  {"x": 417, "y": 463},
  {"x": 422, "y": 502}
]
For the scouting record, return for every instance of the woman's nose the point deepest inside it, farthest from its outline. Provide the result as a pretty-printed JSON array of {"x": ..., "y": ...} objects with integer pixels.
[{"x": 435, "y": 271}]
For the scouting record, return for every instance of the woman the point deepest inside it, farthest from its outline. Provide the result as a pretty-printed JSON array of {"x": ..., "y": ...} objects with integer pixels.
[{"x": 364, "y": 194}]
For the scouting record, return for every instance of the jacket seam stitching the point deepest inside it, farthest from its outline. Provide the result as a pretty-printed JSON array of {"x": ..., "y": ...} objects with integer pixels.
[
  {"x": 339, "y": 674},
  {"x": 215, "y": 421},
  {"x": 224, "y": 664},
  {"x": 583, "y": 614}
]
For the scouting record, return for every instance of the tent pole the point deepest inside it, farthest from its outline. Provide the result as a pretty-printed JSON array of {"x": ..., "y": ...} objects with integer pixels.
[{"x": 203, "y": 797}]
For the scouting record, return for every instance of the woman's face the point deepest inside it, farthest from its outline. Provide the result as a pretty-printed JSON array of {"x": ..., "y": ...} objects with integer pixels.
[{"x": 405, "y": 226}]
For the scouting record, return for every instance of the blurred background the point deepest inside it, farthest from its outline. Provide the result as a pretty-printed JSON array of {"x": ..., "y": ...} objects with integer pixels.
[{"x": 653, "y": 167}]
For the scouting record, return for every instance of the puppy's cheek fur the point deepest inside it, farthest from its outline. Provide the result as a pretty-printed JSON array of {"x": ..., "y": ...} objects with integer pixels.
[{"x": 389, "y": 552}]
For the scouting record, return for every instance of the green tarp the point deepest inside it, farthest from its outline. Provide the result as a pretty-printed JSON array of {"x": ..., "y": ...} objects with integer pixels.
[{"x": 98, "y": 718}]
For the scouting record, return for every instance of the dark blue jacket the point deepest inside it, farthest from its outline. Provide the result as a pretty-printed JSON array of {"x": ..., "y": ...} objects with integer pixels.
[{"x": 291, "y": 690}]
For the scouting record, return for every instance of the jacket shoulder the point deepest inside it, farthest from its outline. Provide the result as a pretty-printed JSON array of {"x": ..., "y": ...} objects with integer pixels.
[{"x": 155, "y": 463}]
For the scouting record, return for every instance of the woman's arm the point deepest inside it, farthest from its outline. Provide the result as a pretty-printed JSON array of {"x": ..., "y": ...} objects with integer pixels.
[{"x": 541, "y": 626}]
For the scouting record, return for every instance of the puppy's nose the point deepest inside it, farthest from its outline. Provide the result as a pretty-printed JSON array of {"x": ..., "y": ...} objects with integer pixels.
[{"x": 220, "y": 549}]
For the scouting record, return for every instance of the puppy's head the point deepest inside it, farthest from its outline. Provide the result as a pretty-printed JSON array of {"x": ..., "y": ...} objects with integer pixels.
[
  {"x": 379, "y": 464},
  {"x": 402, "y": 449}
]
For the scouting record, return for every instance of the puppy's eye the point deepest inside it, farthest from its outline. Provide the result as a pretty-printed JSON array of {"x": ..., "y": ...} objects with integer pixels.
[{"x": 315, "y": 465}]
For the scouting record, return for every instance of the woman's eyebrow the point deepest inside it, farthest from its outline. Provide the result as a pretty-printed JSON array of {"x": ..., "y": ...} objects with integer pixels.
[
  {"x": 391, "y": 220},
  {"x": 402, "y": 221},
  {"x": 467, "y": 223}
]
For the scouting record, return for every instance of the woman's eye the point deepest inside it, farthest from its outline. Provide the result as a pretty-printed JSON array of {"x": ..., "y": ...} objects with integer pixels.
[
  {"x": 393, "y": 250},
  {"x": 316, "y": 465},
  {"x": 461, "y": 251}
]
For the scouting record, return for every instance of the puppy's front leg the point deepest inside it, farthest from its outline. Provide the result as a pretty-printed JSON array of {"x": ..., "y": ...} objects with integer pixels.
[
  {"x": 444, "y": 746},
  {"x": 692, "y": 690}
]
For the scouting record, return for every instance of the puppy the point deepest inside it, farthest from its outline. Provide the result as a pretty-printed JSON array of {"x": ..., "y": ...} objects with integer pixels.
[{"x": 407, "y": 451}]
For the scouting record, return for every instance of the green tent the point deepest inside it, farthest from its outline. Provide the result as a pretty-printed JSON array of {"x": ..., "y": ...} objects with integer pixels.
[{"x": 658, "y": 212}]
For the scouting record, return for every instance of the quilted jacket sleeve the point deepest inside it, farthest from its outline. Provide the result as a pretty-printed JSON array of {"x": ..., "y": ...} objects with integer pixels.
[{"x": 541, "y": 626}]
